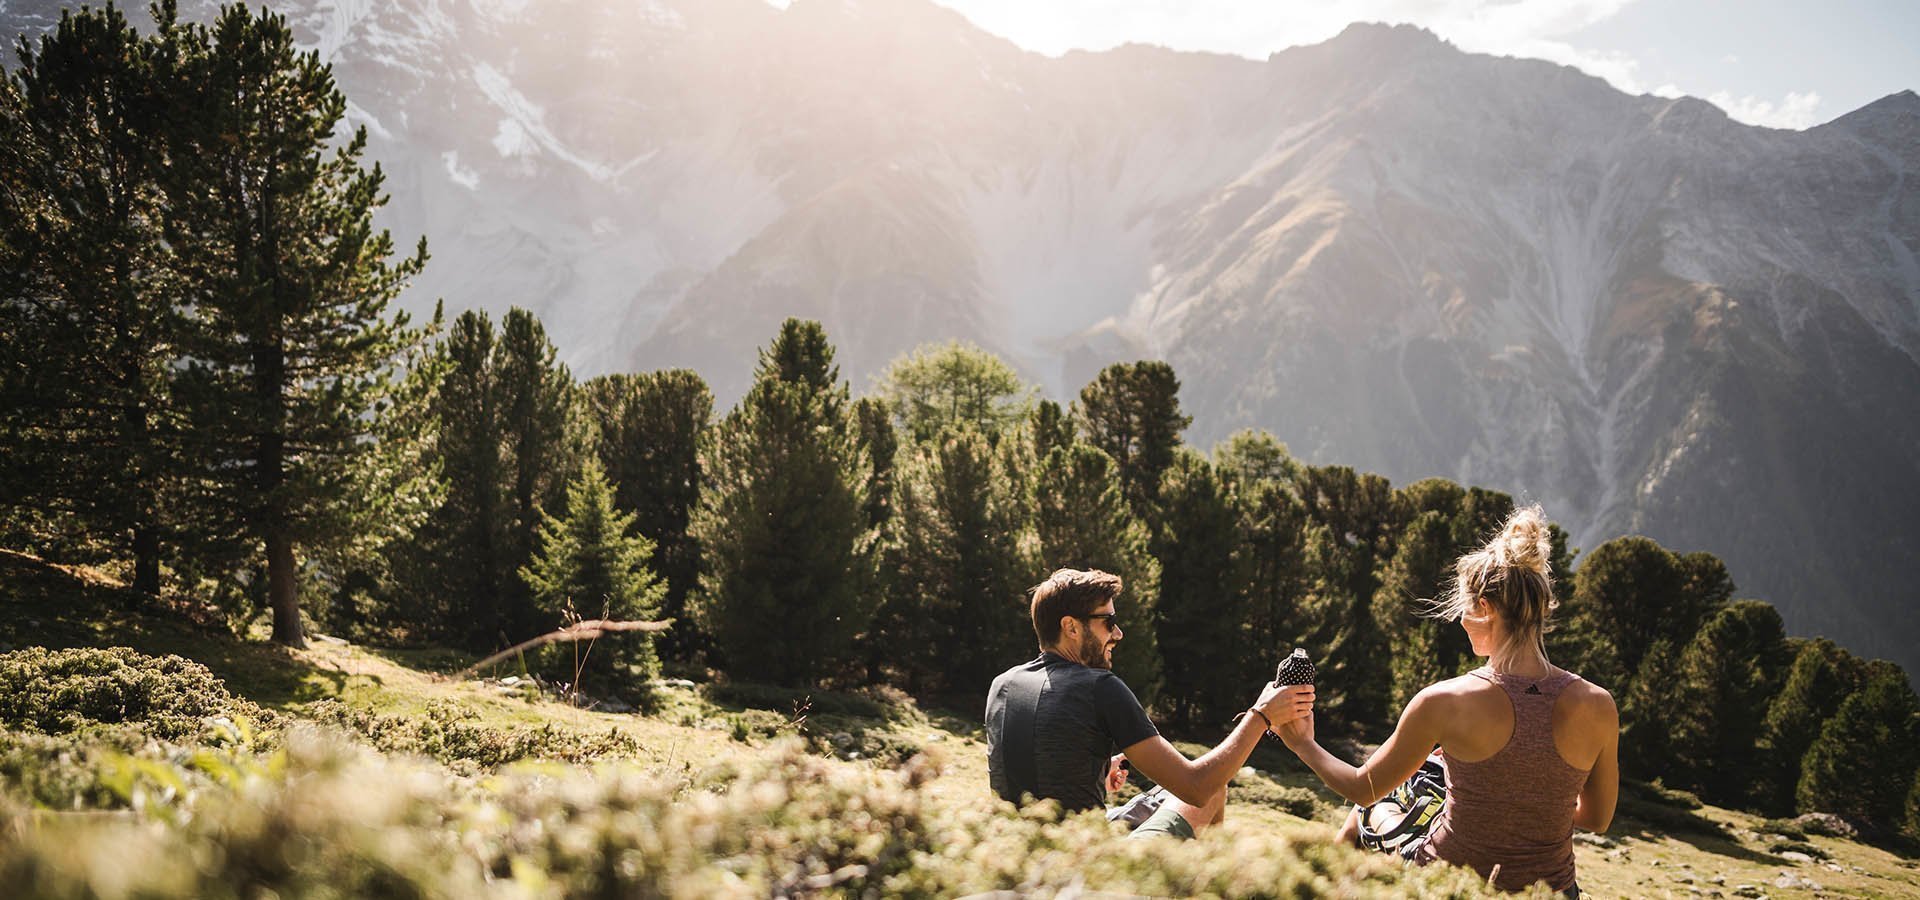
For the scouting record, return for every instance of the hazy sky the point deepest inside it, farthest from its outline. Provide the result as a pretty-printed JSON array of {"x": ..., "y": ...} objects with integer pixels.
[{"x": 1768, "y": 62}]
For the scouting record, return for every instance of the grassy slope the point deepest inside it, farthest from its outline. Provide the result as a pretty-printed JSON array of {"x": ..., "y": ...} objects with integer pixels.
[{"x": 1661, "y": 850}]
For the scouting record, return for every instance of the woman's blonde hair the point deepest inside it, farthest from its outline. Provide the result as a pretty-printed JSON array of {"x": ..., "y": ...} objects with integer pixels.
[{"x": 1512, "y": 574}]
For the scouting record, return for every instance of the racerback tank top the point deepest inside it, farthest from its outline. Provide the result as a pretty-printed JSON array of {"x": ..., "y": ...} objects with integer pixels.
[{"x": 1513, "y": 809}]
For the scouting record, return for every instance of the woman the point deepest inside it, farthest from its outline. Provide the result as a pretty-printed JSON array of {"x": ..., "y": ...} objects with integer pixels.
[{"x": 1530, "y": 750}]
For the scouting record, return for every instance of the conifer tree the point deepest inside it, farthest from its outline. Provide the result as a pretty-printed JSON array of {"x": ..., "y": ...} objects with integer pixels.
[
  {"x": 1727, "y": 675},
  {"x": 1821, "y": 676},
  {"x": 1273, "y": 582},
  {"x": 787, "y": 566},
  {"x": 1631, "y": 593},
  {"x": 1082, "y": 521},
  {"x": 1131, "y": 411},
  {"x": 592, "y": 562},
  {"x": 88, "y": 423},
  {"x": 1423, "y": 650},
  {"x": 1862, "y": 766},
  {"x": 461, "y": 555},
  {"x": 1050, "y": 427},
  {"x": 1249, "y": 457},
  {"x": 1646, "y": 737},
  {"x": 293, "y": 347},
  {"x": 649, "y": 429},
  {"x": 1202, "y": 617},
  {"x": 878, "y": 443},
  {"x": 1351, "y": 525},
  {"x": 955, "y": 385},
  {"x": 535, "y": 396},
  {"x": 955, "y": 567}
]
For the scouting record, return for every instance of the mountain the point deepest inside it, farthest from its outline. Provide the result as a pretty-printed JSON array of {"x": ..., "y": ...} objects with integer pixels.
[{"x": 1390, "y": 253}]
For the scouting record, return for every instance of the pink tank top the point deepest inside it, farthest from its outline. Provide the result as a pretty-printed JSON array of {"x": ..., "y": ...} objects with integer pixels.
[{"x": 1513, "y": 809}]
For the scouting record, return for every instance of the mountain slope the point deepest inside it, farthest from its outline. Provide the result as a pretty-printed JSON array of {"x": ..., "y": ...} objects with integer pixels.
[{"x": 1390, "y": 253}]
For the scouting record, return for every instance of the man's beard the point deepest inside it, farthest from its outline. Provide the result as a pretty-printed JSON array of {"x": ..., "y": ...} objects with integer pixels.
[{"x": 1093, "y": 652}]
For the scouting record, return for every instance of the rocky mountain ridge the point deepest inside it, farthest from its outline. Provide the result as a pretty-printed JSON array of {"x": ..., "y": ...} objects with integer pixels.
[{"x": 1390, "y": 253}]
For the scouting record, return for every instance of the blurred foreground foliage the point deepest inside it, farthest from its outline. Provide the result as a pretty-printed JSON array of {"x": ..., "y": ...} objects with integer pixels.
[{"x": 134, "y": 803}]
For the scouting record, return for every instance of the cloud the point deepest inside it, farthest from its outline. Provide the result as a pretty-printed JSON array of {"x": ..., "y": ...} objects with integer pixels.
[{"x": 1797, "y": 110}]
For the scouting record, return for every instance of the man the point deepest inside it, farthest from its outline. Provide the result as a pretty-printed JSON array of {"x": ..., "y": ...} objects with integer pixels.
[{"x": 1052, "y": 722}]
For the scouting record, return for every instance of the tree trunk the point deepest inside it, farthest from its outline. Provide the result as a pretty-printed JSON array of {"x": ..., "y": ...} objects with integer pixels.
[
  {"x": 281, "y": 593},
  {"x": 146, "y": 560}
]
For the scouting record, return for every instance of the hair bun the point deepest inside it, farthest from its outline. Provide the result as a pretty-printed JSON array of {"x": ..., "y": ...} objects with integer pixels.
[{"x": 1525, "y": 541}]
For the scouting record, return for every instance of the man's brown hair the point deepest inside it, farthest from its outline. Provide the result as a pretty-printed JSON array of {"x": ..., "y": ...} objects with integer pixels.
[{"x": 1069, "y": 592}]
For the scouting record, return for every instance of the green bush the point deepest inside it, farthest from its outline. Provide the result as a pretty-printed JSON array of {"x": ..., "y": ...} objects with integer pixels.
[
  {"x": 452, "y": 734},
  {"x": 1797, "y": 847},
  {"x": 60, "y": 692},
  {"x": 1786, "y": 828},
  {"x": 884, "y": 703}
]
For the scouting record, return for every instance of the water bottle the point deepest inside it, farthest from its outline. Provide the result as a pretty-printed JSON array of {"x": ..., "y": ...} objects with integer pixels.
[{"x": 1295, "y": 669}]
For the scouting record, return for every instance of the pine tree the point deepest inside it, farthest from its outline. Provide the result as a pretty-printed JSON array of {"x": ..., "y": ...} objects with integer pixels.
[
  {"x": 460, "y": 563},
  {"x": 1131, "y": 411},
  {"x": 782, "y": 521},
  {"x": 878, "y": 443},
  {"x": 292, "y": 347},
  {"x": 1631, "y": 593},
  {"x": 535, "y": 396},
  {"x": 1862, "y": 765},
  {"x": 1201, "y": 615},
  {"x": 591, "y": 562},
  {"x": 648, "y": 441},
  {"x": 1082, "y": 521},
  {"x": 87, "y": 420},
  {"x": 955, "y": 385},
  {"x": 1273, "y": 583},
  {"x": 1646, "y": 737},
  {"x": 1727, "y": 675},
  {"x": 1050, "y": 427},
  {"x": 955, "y": 567},
  {"x": 1249, "y": 457},
  {"x": 1351, "y": 525},
  {"x": 1820, "y": 677},
  {"x": 1423, "y": 650}
]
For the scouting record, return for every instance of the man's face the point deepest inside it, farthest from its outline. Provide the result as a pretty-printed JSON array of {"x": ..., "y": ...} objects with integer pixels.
[{"x": 1099, "y": 638}]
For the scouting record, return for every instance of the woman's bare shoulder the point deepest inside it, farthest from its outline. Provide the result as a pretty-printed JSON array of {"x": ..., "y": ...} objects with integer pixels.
[{"x": 1589, "y": 697}]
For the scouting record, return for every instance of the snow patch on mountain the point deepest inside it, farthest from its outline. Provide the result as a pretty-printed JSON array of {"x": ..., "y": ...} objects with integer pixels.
[{"x": 525, "y": 128}]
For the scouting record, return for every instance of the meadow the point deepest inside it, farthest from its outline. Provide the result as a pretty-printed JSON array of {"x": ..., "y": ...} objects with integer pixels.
[{"x": 185, "y": 762}]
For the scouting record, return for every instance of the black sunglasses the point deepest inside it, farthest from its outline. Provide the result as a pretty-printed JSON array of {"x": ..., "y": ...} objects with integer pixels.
[{"x": 1111, "y": 623}]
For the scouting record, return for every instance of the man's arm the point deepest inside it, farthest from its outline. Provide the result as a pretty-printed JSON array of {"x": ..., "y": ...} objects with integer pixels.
[
  {"x": 1196, "y": 780},
  {"x": 1393, "y": 763}
]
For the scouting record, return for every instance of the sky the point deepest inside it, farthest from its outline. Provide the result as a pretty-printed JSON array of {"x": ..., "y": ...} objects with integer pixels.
[{"x": 1766, "y": 62}]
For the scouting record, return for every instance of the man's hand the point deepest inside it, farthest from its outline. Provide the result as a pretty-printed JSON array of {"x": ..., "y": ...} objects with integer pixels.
[
  {"x": 1285, "y": 703},
  {"x": 1116, "y": 772}
]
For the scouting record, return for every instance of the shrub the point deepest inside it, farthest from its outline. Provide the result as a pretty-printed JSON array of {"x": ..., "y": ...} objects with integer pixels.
[
  {"x": 59, "y": 692},
  {"x": 1793, "y": 846},
  {"x": 452, "y": 734}
]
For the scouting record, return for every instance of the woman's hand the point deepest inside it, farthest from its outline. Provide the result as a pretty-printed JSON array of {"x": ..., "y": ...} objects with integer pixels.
[
  {"x": 1298, "y": 733},
  {"x": 1116, "y": 772},
  {"x": 1285, "y": 703}
]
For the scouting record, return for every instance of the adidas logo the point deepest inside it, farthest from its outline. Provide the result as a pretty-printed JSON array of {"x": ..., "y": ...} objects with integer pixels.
[{"x": 1533, "y": 689}]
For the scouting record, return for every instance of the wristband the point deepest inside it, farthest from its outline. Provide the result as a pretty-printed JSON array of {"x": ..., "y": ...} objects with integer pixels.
[{"x": 1263, "y": 717}]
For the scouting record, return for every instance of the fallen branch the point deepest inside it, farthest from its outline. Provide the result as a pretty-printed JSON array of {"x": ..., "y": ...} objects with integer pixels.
[{"x": 578, "y": 631}]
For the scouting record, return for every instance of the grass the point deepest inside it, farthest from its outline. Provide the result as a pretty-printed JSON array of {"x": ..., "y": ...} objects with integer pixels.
[{"x": 425, "y": 785}]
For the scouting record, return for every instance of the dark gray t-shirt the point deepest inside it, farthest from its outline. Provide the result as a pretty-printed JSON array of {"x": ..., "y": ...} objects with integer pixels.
[{"x": 1082, "y": 716}]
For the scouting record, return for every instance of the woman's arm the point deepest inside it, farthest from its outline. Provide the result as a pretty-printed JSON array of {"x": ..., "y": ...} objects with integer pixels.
[
  {"x": 1593, "y": 810},
  {"x": 1393, "y": 763}
]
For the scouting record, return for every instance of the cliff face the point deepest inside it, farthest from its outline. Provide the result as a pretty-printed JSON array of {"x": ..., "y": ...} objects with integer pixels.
[{"x": 1389, "y": 253}]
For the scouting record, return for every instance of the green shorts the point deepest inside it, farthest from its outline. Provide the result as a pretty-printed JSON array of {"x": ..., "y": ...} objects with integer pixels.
[{"x": 1165, "y": 822}]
